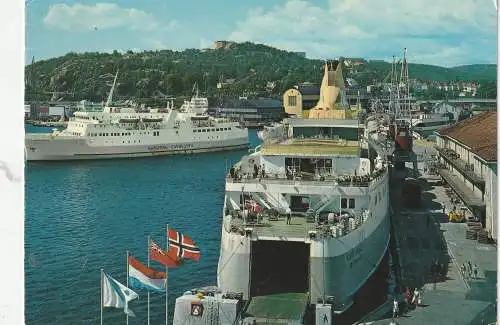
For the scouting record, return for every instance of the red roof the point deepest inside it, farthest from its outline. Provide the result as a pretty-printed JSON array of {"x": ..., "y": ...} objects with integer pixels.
[{"x": 478, "y": 133}]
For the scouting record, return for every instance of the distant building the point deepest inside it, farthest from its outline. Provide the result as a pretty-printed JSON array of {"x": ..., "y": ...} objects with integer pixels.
[
  {"x": 252, "y": 112},
  {"x": 468, "y": 153},
  {"x": 223, "y": 44}
]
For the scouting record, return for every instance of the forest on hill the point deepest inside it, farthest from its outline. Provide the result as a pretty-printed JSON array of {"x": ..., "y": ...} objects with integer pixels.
[{"x": 241, "y": 68}]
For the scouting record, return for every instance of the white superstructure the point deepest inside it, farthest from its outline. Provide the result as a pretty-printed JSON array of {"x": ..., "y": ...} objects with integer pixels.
[
  {"x": 118, "y": 132},
  {"x": 306, "y": 216}
]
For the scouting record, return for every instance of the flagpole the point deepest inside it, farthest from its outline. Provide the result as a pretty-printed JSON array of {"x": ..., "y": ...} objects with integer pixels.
[
  {"x": 166, "y": 284},
  {"x": 102, "y": 282},
  {"x": 127, "y": 280},
  {"x": 149, "y": 248}
]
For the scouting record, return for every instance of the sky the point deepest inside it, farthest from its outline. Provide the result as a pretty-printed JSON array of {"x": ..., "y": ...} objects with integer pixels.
[{"x": 439, "y": 32}]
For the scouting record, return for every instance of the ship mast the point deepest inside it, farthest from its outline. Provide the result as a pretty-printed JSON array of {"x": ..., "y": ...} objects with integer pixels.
[
  {"x": 110, "y": 96},
  {"x": 393, "y": 95},
  {"x": 404, "y": 90}
]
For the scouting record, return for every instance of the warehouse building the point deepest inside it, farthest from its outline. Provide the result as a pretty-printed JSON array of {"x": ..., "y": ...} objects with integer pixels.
[{"x": 468, "y": 156}]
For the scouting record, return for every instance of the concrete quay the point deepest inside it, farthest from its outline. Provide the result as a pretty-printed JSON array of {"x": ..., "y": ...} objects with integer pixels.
[{"x": 423, "y": 236}]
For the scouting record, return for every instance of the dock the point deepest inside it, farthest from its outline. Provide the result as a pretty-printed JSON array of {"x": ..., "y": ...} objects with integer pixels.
[{"x": 424, "y": 236}]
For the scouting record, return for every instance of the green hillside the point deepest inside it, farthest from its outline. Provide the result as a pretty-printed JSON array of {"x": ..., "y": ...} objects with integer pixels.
[{"x": 248, "y": 67}]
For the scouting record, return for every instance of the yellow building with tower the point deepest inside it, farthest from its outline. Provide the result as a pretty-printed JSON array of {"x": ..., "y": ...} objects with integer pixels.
[{"x": 330, "y": 98}]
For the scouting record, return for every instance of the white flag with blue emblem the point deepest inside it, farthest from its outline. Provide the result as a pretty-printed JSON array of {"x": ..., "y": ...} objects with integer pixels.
[{"x": 117, "y": 295}]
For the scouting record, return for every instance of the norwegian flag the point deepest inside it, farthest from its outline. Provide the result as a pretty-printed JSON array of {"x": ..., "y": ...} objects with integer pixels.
[
  {"x": 182, "y": 246},
  {"x": 253, "y": 206}
]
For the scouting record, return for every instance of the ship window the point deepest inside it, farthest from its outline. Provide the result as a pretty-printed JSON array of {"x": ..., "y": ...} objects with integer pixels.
[
  {"x": 100, "y": 134},
  {"x": 229, "y": 129},
  {"x": 216, "y": 129},
  {"x": 343, "y": 203},
  {"x": 204, "y": 130},
  {"x": 351, "y": 204}
]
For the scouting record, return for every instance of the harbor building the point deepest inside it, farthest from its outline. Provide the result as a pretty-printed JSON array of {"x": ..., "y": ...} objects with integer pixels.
[
  {"x": 468, "y": 160},
  {"x": 252, "y": 112}
]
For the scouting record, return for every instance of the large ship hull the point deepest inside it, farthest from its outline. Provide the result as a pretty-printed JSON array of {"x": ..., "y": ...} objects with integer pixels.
[
  {"x": 335, "y": 267},
  {"x": 47, "y": 147}
]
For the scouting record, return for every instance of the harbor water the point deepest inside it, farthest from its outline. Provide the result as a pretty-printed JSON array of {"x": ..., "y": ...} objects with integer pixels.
[{"x": 84, "y": 216}]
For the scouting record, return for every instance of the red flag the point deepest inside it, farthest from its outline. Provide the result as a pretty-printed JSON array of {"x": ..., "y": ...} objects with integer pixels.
[
  {"x": 169, "y": 259},
  {"x": 182, "y": 246}
]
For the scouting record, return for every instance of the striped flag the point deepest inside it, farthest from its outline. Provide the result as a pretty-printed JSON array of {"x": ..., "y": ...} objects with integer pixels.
[
  {"x": 182, "y": 246},
  {"x": 143, "y": 277},
  {"x": 169, "y": 259},
  {"x": 115, "y": 294}
]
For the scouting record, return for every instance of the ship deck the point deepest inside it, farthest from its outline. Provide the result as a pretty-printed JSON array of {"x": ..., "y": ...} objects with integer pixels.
[
  {"x": 276, "y": 307},
  {"x": 276, "y": 226},
  {"x": 312, "y": 147}
]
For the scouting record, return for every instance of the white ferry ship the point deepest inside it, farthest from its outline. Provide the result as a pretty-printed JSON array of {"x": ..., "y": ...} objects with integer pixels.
[
  {"x": 305, "y": 220},
  {"x": 118, "y": 132}
]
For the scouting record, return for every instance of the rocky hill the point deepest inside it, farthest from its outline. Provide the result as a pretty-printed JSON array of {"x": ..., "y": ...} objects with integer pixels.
[{"x": 255, "y": 68}]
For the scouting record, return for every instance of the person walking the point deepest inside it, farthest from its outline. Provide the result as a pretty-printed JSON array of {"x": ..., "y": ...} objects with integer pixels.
[
  {"x": 416, "y": 297},
  {"x": 407, "y": 297},
  {"x": 288, "y": 218},
  {"x": 476, "y": 270},
  {"x": 395, "y": 308}
]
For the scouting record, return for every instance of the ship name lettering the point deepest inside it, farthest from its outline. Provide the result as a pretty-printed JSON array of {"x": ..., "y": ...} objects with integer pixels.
[{"x": 163, "y": 147}]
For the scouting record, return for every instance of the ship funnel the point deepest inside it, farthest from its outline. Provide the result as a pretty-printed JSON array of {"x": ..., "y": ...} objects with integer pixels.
[{"x": 332, "y": 86}]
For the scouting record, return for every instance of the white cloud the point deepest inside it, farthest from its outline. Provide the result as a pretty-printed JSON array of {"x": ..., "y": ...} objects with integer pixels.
[
  {"x": 101, "y": 16},
  {"x": 444, "y": 32}
]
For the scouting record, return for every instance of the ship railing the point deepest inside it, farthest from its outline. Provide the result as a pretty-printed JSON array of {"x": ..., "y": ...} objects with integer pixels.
[
  {"x": 278, "y": 178},
  {"x": 271, "y": 222}
]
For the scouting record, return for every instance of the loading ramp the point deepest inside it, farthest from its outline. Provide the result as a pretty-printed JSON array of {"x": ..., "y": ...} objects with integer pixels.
[{"x": 280, "y": 308}]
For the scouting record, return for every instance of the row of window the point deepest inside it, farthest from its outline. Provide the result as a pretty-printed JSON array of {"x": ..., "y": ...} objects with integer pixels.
[
  {"x": 212, "y": 130},
  {"x": 112, "y": 134}
]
